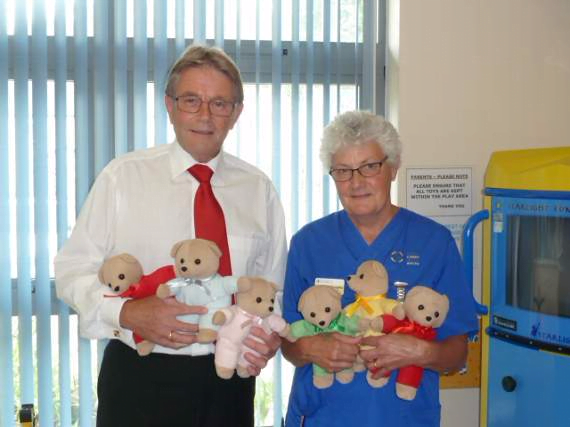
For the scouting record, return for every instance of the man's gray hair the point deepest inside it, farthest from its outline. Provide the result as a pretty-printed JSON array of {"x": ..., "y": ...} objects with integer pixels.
[
  {"x": 205, "y": 56},
  {"x": 359, "y": 127}
]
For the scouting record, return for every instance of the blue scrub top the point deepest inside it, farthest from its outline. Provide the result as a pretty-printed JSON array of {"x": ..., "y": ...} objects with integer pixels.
[{"x": 414, "y": 249}]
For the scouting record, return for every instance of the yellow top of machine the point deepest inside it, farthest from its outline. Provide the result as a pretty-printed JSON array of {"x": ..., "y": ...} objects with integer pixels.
[{"x": 546, "y": 169}]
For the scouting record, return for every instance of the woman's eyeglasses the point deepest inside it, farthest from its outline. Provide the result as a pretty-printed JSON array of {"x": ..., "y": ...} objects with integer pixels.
[{"x": 366, "y": 170}]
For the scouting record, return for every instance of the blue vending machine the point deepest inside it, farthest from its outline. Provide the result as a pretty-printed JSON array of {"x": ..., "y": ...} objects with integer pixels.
[{"x": 525, "y": 378}]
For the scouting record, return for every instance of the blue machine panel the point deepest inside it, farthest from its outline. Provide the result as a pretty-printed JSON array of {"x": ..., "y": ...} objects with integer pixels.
[
  {"x": 529, "y": 348},
  {"x": 526, "y": 289},
  {"x": 531, "y": 270},
  {"x": 527, "y": 387}
]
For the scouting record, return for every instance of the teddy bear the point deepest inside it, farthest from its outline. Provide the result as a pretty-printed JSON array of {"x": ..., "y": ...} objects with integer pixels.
[
  {"x": 197, "y": 282},
  {"x": 123, "y": 275},
  {"x": 370, "y": 283},
  {"x": 322, "y": 312},
  {"x": 254, "y": 307},
  {"x": 120, "y": 272},
  {"x": 425, "y": 311}
]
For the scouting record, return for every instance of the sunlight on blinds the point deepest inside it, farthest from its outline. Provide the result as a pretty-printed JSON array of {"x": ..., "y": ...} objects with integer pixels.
[{"x": 83, "y": 82}]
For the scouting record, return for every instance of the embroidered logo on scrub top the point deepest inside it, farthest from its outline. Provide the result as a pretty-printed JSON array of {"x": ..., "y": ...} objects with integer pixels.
[
  {"x": 397, "y": 257},
  {"x": 413, "y": 259}
]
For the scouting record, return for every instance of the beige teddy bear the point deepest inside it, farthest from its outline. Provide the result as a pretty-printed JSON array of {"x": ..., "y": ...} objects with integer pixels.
[
  {"x": 322, "y": 312},
  {"x": 197, "y": 282},
  {"x": 425, "y": 310},
  {"x": 370, "y": 283},
  {"x": 119, "y": 272},
  {"x": 254, "y": 307},
  {"x": 123, "y": 275}
]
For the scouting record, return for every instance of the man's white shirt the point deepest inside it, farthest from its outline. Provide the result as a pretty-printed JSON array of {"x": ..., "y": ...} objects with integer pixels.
[{"x": 142, "y": 203}]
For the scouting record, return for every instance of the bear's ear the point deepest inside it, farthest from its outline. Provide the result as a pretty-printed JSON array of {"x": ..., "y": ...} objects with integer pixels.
[
  {"x": 444, "y": 302},
  {"x": 443, "y": 305},
  {"x": 303, "y": 300},
  {"x": 128, "y": 258},
  {"x": 101, "y": 273},
  {"x": 175, "y": 248},
  {"x": 333, "y": 293},
  {"x": 214, "y": 248},
  {"x": 378, "y": 269},
  {"x": 417, "y": 290}
]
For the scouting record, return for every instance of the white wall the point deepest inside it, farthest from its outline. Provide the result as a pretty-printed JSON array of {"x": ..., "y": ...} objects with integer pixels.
[{"x": 468, "y": 77}]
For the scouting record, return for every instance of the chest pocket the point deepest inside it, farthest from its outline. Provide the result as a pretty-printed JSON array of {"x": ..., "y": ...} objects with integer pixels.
[{"x": 248, "y": 254}]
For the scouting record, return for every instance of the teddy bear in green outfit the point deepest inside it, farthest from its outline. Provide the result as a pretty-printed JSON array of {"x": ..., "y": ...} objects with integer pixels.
[{"x": 322, "y": 312}]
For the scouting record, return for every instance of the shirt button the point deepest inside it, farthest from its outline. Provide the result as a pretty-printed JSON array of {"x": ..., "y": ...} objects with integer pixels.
[{"x": 116, "y": 333}]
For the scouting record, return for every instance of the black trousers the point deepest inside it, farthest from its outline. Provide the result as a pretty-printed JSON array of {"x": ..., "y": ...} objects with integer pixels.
[{"x": 161, "y": 390}]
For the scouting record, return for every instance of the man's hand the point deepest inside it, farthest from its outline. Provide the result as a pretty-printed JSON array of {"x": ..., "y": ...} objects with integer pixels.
[
  {"x": 155, "y": 320},
  {"x": 265, "y": 344}
]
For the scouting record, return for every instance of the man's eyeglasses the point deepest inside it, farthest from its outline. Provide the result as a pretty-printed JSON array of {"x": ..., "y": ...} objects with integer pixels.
[
  {"x": 217, "y": 106},
  {"x": 366, "y": 170}
]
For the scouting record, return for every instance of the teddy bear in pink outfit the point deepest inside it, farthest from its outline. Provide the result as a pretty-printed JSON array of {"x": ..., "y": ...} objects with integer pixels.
[{"x": 254, "y": 307}]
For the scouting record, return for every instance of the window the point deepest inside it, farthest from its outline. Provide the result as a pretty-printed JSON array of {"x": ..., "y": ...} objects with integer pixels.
[{"x": 82, "y": 82}]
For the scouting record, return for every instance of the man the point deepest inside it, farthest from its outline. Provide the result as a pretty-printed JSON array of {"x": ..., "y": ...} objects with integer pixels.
[{"x": 144, "y": 202}]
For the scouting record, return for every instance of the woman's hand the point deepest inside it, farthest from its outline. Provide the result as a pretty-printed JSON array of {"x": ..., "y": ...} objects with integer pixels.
[
  {"x": 393, "y": 351},
  {"x": 331, "y": 351}
]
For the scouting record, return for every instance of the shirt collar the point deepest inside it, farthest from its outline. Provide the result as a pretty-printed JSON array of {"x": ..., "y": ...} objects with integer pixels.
[{"x": 181, "y": 160}]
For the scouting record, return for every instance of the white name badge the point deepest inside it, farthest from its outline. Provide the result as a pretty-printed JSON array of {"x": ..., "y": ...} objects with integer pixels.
[{"x": 338, "y": 284}]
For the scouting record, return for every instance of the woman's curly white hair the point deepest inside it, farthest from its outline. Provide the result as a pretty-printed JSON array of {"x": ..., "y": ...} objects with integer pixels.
[{"x": 359, "y": 127}]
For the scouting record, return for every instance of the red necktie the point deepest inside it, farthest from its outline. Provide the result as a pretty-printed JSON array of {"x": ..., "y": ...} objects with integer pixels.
[{"x": 209, "y": 220}]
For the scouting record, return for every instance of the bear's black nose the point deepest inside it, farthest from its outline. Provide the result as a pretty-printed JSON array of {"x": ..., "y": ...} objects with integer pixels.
[
  {"x": 428, "y": 318},
  {"x": 322, "y": 323},
  {"x": 117, "y": 289},
  {"x": 184, "y": 268},
  {"x": 271, "y": 308}
]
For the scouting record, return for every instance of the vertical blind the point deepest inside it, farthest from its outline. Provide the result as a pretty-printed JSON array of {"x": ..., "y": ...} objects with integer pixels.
[{"x": 82, "y": 82}]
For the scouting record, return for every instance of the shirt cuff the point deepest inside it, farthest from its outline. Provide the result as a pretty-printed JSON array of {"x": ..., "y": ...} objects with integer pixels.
[{"x": 110, "y": 315}]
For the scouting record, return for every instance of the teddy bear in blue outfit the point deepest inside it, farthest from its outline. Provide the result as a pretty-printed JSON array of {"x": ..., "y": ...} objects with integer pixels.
[{"x": 197, "y": 282}]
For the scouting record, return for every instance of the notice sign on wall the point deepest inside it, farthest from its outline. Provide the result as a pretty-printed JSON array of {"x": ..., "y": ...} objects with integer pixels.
[
  {"x": 439, "y": 192},
  {"x": 444, "y": 195}
]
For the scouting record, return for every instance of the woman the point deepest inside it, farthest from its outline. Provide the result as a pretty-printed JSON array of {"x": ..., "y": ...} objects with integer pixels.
[{"x": 362, "y": 153}]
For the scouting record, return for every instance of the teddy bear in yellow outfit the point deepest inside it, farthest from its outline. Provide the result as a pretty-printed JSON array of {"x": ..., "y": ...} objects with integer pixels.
[{"x": 370, "y": 283}]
